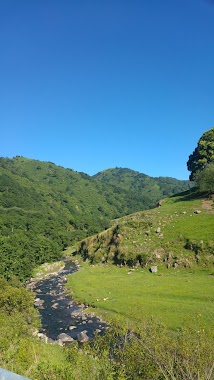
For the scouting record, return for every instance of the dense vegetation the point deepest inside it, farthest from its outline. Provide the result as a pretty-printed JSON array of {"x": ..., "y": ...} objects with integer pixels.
[
  {"x": 44, "y": 208},
  {"x": 202, "y": 155}
]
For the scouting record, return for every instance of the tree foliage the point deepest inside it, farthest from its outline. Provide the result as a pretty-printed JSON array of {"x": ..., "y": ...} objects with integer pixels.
[
  {"x": 205, "y": 179},
  {"x": 202, "y": 155}
]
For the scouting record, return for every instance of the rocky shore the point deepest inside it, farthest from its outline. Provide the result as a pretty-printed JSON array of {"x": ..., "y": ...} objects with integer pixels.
[{"x": 63, "y": 320}]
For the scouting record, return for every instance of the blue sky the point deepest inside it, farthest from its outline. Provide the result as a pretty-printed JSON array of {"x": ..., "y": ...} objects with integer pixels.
[{"x": 91, "y": 85}]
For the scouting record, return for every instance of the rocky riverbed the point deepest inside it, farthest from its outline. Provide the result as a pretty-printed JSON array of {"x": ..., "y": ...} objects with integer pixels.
[{"x": 63, "y": 320}]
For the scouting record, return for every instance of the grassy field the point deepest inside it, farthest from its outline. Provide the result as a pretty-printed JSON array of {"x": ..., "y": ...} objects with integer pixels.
[
  {"x": 171, "y": 296},
  {"x": 185, "y": 240}
]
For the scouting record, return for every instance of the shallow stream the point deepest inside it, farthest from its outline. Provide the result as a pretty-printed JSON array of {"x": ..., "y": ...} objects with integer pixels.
[{"x": 59, "y": 313}]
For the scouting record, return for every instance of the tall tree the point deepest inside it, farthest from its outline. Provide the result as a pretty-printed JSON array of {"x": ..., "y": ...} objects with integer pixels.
[{"x": 202, "y": 155}]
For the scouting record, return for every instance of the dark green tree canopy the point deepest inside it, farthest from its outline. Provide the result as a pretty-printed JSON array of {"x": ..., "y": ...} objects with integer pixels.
[
  {"x": 205, "y": 179},
  {"x": 202, "y": 155}
]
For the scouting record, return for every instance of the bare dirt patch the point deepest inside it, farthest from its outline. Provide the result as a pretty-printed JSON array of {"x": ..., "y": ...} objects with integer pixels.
[{"x": 208, "y": 205}]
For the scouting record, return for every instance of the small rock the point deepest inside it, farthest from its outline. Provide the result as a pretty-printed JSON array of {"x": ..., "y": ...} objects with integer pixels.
[
  {"x": 197, "y": 211},
  {"x": 153, "y": 269},
  {"x": 65, "y": 338},
  {"x": 43, "y": 337},
  {"x": 82, "y": 337},
  {"x": 55, "y": 305},
  {"x": 158, "y": 230},
  {"x": 71, "y": 327}
]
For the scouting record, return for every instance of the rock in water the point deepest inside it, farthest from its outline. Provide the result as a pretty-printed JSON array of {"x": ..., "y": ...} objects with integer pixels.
[{"x": 65, "y": 338}]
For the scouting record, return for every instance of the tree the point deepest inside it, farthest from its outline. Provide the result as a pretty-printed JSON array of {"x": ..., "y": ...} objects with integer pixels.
[
  {"x": 202, "y": 155},
  {"x": 205, "y": 179}
]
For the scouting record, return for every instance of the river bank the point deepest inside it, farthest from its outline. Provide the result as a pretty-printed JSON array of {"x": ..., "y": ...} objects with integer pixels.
[{"x": 63, "y": 320}]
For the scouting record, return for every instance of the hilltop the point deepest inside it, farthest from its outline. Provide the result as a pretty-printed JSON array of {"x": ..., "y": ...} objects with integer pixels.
[{"x": 45, "y": 208}]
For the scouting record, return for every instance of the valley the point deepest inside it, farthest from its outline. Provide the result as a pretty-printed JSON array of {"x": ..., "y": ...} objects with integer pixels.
[{"x": 145, "y": 262}]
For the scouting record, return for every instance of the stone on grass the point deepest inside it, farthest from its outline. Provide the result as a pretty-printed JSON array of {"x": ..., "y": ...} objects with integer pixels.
[
  {"x": 154, "y": 269},
  {"x": 82, "y": 337}
]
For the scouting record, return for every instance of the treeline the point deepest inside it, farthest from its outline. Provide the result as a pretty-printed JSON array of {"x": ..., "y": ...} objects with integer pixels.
[{"x": 45, "y": 208}]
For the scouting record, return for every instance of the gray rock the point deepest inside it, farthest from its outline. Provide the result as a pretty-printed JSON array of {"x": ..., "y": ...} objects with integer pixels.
[
  {"x": 65, "y": 338},
  {"x": 158, "y": 230},
  {"x": 82, "y": 337},
  {"x": 154, "y": 269},
  {"x": 43, "y": 337},
  {"x": 55, "y": 305},
  {"x": 38, "y": 302},
  {"x": 197, "y": 211},
  {"x": 71, "y": 327}
]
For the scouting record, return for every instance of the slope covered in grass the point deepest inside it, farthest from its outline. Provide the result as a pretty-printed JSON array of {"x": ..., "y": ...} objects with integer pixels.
[
  {"x": 177, "y": 238},
  {"x": 180, "y": 232}
]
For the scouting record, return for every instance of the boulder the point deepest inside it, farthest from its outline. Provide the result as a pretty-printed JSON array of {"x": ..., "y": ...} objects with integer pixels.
[
  {"x": 154, "y": 269},
  {"x": 65, "y": 338},
  {"x": 43, "y": 337},
  {"x": 38, "y": 302},
  {"x": 82, "y": 337}
]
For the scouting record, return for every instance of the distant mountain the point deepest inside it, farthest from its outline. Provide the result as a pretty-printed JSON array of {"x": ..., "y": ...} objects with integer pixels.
[
  {"x": 44, "y": 208},
  {"x": 144, "y": 191}
]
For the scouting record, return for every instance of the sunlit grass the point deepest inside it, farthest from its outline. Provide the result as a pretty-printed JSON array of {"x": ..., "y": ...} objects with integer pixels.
[{"x": 170, "y": 296}]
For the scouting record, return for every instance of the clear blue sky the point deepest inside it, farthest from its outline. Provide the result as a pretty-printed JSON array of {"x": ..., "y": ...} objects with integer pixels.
[{"x": 91, "y": 85}]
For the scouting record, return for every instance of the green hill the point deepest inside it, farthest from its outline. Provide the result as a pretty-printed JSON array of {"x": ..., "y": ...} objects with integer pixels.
[
  {"x": 175, "y": 241},
  {"x": 45, "y": 208},
  {"x": 180, "y": 232},
  {"x": 143, "y": 191}
]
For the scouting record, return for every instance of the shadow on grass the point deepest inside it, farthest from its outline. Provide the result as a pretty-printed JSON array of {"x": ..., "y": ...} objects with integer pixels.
[{"x": 191, "y": 194}]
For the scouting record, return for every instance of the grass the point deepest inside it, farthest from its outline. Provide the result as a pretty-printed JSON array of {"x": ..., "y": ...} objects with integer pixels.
[
  {"x": 48, "y": 268},
  {"x": 171, "y": 296}
]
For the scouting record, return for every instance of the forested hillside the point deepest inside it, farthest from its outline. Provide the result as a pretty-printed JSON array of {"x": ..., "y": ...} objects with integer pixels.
[
  {"x": 45, "y": 208},
  {"x": 144, "y": 189}
]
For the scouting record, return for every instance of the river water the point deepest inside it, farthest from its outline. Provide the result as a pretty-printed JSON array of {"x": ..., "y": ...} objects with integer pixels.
[{"x": 59, "y": 313}]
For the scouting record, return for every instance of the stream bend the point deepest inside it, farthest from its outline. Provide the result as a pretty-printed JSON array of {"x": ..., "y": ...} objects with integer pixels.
[{"x": 59, "y": 313}]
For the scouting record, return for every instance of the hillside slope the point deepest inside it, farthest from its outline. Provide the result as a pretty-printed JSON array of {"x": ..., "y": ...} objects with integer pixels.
[
  {"x": 45, "y": 208},
  {"x": 141, "y": 187},
  {"x": 179, "y": 233}
]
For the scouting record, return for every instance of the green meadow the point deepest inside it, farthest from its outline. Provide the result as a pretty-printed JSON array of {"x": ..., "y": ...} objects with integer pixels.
[{"x": 174, "y": 297}]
